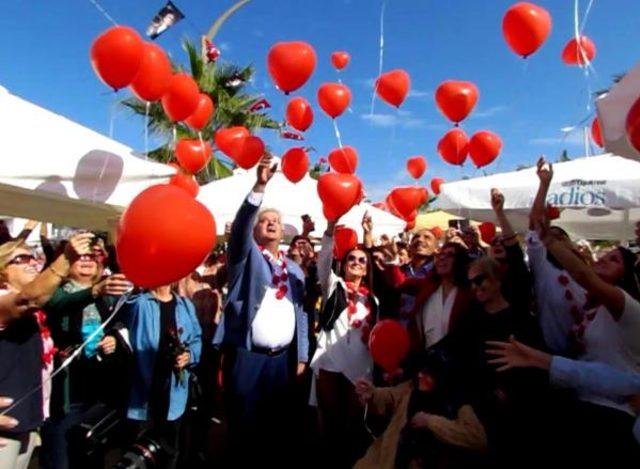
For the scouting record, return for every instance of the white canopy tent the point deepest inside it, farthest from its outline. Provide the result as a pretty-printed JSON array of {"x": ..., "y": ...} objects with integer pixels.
[
  {"x": 55, "y": 170},
  {"x": 599, "y": 196},
  {"x": 224, "y": 198}
]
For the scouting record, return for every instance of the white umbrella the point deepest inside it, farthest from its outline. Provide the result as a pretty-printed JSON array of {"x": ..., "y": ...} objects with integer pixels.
[
  {"x": 225, "y": 196},
  {"x": 599, "y": 196}
]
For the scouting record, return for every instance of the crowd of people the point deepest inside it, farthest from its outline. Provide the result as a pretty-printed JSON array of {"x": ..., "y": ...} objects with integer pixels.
[{"x": 523, "y": 352}]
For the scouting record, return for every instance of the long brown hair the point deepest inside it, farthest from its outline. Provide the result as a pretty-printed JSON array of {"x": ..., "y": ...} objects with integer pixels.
[{"x": 367, "y": 280}]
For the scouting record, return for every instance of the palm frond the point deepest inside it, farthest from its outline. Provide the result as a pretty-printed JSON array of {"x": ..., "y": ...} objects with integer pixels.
[{"x": 195, "y": 60}]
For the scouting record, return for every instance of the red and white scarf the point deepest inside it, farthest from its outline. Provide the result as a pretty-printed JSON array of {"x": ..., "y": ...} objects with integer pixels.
[
  {"x": 581, "y": 315},
  {"x": 280, "y": 276},
  {"x": 354, "y": 296}
]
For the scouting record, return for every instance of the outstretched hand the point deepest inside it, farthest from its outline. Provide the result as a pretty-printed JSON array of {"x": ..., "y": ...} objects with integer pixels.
[
  {"x": 264, "y": 172},
  {"x": 497, "y": 200},
  {"x": 544, "y": 174},
  {"x": 514, "y": 354}
]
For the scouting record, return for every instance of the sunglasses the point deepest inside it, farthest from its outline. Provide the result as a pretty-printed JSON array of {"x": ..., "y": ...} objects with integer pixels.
[
  {"x": 22, "y": 259},
  {"x": 88, "y": 257},
  {"x": 359, "y": 260},
  {"x": 478, "y": 279}
]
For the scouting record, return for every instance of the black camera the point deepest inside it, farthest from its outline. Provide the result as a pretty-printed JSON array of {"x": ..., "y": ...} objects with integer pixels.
[{"x": 146, "y": 453}]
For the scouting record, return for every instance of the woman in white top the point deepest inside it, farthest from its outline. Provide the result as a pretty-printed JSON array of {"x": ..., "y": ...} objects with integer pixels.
[{"x": 342, "y": 356}]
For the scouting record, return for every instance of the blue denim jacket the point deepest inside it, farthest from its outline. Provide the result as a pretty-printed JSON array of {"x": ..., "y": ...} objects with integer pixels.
[{"x": 142, "y": 317}]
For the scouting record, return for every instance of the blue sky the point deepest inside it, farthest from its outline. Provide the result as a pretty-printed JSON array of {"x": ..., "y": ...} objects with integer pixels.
[{"x": 44, "y": 47}]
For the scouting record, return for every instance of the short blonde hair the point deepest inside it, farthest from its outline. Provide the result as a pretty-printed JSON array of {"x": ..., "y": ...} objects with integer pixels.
[
  {"x": 7, "y": 249},
  {"x": 268, "y": 210}
]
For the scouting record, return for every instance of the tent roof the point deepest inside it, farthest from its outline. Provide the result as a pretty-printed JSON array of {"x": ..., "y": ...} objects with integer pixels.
[
  {"x": 598, "y": 195},
  {"x": 67, "y": 173}
]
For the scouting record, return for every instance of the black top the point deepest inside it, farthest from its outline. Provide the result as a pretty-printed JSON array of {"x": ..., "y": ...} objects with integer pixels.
[
  {"x": 516, "y": 279},
  {"x": 21, "y": 371},
  {"x": 163, "y": 367}
]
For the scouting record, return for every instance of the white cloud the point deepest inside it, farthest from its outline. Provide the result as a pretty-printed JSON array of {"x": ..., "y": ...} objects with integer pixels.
[
  {"x": 489, "y": 112},
  {"x": 224, "y": 46},
  {"x": 573, "y": 138},
  {"x": 367, "y": 83},
  {"x": 421, "y": 95},
  {"x": 402, "y": 119}
]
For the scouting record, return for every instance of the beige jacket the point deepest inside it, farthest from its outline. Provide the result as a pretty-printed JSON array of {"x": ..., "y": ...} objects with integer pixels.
[{"x": 465, "y": 431}]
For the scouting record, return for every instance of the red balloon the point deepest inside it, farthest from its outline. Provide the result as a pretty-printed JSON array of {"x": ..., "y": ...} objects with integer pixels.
[
  {"x": 299, "y": 114},
  {"x": 334, "y": 98},
  {"x": 487, "y": 231},
  {"x": 163, "y": 236},
  {"x": 389, "y": 344},
  {"x": 416, "y": 165},
  {"x": 405, "y": 201},
  {"x": 525, "y": 27},
  {"x": 633, "y": 125},
  {"x": 435, "y": 185},
  {"x": 484, "y": 147},
  {"x": 182, "y": 97},
  {"x": 340, "y": 59},
  {"x": 344, "y": 240},
  {"x": 116, "y": 56},
  {"x": 247, "y": 151},
  {"x": 204, "y": 110},
  {"x": 574, "y": 54},
  {"x": 295, "y": 164},
  {"x": 393, "y": 87},
  {"x": 456, "y": 99},
  {"x": 193, "y": 154},
  {"x": 154, "y": 74},
  {"x": 186, "y": 182},
  {"x": 596, "y": 133},
  {"x": 454, "y": 147},
  {"x": 291, "y": 64},
  {"x": 224, "y": 138},
  {"x": 338, "y": 193},
  {"x": 344, "y": 160}
]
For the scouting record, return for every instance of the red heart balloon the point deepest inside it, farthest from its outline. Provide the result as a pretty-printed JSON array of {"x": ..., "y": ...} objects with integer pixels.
[
  {"x": 338, "y": 193},
  {"x": 154, "y": 74},
  {"x": 344, "y": 160},
  {"x": 416, "y": 165},
  {"x": 182, "y": 97},
  {"x": 393, "y": 87},
  {"x": 193, "y": 154},
  {"x": 299, "y": 114},
  {"x": 456, "y": 99},
  {"x": 334, "y": 98},
  {"x": 186, "y": 182},
  {"x": 116, "y": 56},
  {"x": 344, "y": 240},
  {"x": 295, "y": 164},
  {"x": 410, "y": 225},
  {"x": 579, "y": 53},
  {"x": 389, "y": 344},
  {"x": 340, "y": 59},
  {"x": 525, "y": 27},
  {"x": 632, "y": 125},
  {"x": 435, "y": 185},
  {"x": 487, "y": 231},
  {"x": 224, "y": 138},
  {"x": 204, "y": 110},
  {"x": 596, "y": 133},
  {"x": 484, "y": 147},
  {"x": 247, "y": 151},
  {"x": 405, "y": 201},
  {"x": 454, "y": 146},
  {"x": 153, "y": 246},
  {"x": 291, "y": 64}
]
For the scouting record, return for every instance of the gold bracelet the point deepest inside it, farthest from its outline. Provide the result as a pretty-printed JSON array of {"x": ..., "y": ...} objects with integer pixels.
[{"x": 62, "y": 277}]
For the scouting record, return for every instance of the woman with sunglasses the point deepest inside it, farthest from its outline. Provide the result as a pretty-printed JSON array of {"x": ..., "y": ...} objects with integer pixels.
[
  {"x": 26, "y": 348},
  {"x": 350, "y": 310},
  {"x": 74, "y": 313}
]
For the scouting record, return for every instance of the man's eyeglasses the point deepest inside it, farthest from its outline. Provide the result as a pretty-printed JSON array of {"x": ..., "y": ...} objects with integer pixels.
[
  {"x": 359, "y": 260},
  {"x": 478, "y": 280},
  {"x": 22, "y": 259}
]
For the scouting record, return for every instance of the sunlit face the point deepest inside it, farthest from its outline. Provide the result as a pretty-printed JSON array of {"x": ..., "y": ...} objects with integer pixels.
[
  {"x": 423, "y": 243},
  {"x": 84, "y": 267},
  {"x": 484, "y": 287},
  {"x": 470, "y": 237},
  {"x": 21, "y": 269},
  {"x": 445, "y": 260},
  {"x": 610, "y": 267},
  {"x": 498, "y": 252},
  {"x": 356, "y": 264},
  {"x": 269, "y": 228}
]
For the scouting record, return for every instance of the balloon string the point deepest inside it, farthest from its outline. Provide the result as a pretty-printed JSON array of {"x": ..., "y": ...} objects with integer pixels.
[
  {"x": 586, "y": 15},
  {"x": 337, "y": 131},
  {"x": 70, "y": 359},
  {"x": 381, "y": 54},
  {"x": 101, "y": 9},
  {"x": 175, "y": 138},
  {"x": 146, "y": 130}
]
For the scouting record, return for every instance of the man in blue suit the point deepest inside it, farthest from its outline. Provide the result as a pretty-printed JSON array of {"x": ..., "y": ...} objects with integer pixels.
[{"x": 264, "y": 330}]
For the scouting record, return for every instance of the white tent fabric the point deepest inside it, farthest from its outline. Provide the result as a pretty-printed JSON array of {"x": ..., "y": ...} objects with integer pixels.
[
  {"x": 612, "y": 114},
  {"x": 224, "y": 198},
  {"x": 599, "y": 196},
  {"x": 55, "y": 170}
]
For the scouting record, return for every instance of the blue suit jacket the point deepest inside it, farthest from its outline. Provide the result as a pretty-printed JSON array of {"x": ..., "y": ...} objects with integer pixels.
[{"x": 249, "y": 276}]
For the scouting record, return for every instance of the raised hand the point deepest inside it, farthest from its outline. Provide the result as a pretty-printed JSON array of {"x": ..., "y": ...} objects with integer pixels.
[
  {"x": 544, "y": 174},
  {"x": 497, "y": 200},
  {"x": 367, "y": 223},
  {"x": 264, "y": 172},
  {"x": 79, "y": 244}
]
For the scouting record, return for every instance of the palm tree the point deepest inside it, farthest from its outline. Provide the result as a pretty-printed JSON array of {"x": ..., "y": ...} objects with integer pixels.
[{"x": 225, "y": 84}]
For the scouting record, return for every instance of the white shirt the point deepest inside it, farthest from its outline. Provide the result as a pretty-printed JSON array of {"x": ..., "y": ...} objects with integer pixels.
[{"x": 436, "y": 314}]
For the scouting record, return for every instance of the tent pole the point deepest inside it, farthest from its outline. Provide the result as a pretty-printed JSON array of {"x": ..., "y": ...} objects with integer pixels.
[
  {"x": 625, "y": 222},
  {"x": 585, "y": 136}
]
